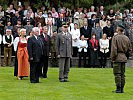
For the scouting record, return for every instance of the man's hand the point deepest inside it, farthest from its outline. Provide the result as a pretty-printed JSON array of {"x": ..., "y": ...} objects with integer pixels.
[
  {"x": 31, "y": 58},
  {"x": 109, "y": 38},
  {"x": 9, "y": 45},
  {"x": 95, "y": 49},
  {"x": 49, "y": 54},
  {"x": 83, "y": 47},
  {"x": 58, "y": 56},
  {"x": 86, "y": 38}
]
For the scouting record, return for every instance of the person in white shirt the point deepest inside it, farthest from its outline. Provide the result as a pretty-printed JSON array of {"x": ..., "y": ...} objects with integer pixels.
[
  {"x": 8, "y": 42},
  {"x": 71, "y": 25},
  {"x": 49, "y": 19},
  {"x": 91, "y": 12},
  {"x": 78, "y": 15},
  {"x": 54, "y": 13},
  {"x": 82, "y": 49},
  {"x": 10, "y": 9},
  {"x": 104, "y": 49},
  {"x": 75, "y": 37}
]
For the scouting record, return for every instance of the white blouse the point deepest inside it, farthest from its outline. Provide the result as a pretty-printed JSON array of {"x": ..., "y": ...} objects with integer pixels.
[
  {"x": 75, "y": 35},
  {"x": 104, "y": 44},
  {"x": 82, "y": 43},
  {"x": 50, "y": 20},
  {"x": 16, "y": 41}
]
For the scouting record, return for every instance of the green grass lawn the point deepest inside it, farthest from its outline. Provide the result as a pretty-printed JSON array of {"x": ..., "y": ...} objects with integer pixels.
[{"x": 85, "y": 84}]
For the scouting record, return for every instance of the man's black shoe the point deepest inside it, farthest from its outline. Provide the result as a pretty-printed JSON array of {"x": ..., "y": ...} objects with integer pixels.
[
  {"x": 65, "y": 80},
  {"x": 61, "y": 80},
  {"x": 45, "y": 76}
]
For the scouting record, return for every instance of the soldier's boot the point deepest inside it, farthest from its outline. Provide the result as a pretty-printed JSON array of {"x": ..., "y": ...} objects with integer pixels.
[
  {"x": 118, "y": 90},
  {"x": 122, "y": 89}
]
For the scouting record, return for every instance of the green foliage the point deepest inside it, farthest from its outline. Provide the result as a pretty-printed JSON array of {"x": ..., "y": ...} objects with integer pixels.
[
  {"x": 85, "y": 84},
  {"x": 86, "y": 3},
  {"x": 121, "y": 5},
  {"x": 4, "y": 3}
]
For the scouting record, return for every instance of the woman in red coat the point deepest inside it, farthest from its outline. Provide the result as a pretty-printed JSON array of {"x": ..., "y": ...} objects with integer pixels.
[{"x": 93, "y": 44}]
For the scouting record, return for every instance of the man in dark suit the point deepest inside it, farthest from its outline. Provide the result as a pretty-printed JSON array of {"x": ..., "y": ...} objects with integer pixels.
[
  {"x": 16, "y": 18},
  {"x": 109, "y": 30},
  {"x": 28, "y": 18},
  {"x": 46, "y": 41},
  {"x": 86, "y": 31},
  {"x": 60, "y": 20},
  {"x": 35, "y": 52}
]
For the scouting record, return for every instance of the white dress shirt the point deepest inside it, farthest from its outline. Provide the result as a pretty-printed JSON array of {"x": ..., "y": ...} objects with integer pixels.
[
  {"x": 71, "y": 26},
  {"x": 50, "y": 20},
  {"x": 0, "y": 38},
  {"x": 8, "y": 36},
  {"x": 82, "y": 43},
  {"x": 50, "y": 30}
]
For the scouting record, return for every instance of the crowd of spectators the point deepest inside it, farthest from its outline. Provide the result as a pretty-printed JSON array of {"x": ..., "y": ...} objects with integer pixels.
[{"x": 91, "y": 29}]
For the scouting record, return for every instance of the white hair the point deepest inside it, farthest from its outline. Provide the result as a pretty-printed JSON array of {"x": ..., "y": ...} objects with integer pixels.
[
  {"x": 35, "y": 29},
  {"x": 22, "y": 30},
  {"x": 8, "y": 30},
  {"x": 92, "y": 7}
]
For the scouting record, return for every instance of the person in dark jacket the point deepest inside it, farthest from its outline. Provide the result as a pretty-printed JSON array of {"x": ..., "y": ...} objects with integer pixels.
[
  {"x": 35, "y": 51},
  {"x": 109, "y": 30},
  {"x": 86, "y": 31},
  {"x": 93, "y": 44},
  {"x": 46, "y": 49}
]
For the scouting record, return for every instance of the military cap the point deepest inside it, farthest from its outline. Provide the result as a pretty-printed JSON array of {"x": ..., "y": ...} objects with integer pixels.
[{"x": 121, "y": 26}]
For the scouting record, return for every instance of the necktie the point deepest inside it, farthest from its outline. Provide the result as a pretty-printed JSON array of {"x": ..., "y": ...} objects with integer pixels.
[
  {"x": 46, "y": 38},
  {"x": 50, "y": 31}
]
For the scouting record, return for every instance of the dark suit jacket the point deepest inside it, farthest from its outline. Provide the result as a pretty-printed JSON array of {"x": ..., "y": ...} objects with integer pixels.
[
  {"x": 15, "y": 19},
  {"x": 46, "y": 47},
  {"x": 86, "y": 33},
  {"x": 59, "y": 22},
  {"x": 92, "y": 23},
  {"x": 35, "y": 48},
  {"x": 108, "y": 31},
  {"x": 32, "y": 22}
]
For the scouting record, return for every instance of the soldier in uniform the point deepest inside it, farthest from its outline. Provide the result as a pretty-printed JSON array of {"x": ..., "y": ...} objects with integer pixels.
[
  {"x": 54, "y": 59},
  {"x": 120, "y": 50},
  {"x": 64, "y": 51}
]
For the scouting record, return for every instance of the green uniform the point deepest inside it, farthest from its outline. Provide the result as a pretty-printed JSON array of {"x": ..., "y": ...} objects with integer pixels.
[
  {"x": 54, "y": 59},
  {"x": 120, "y": 49}
]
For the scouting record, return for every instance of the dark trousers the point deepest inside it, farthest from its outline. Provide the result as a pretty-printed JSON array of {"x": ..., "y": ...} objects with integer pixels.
[
  {"x": 119, "y": 73},
  {"x": 82, "y": 54},
  {"x": 43, "y": 66},
  {"x": 75, "y": 51},
  {"x": 16, "y": 65},
  {"x": 54, "y": 59},
  {"x": 103, "y": 59},
  {"x": 34, "y": 72}
]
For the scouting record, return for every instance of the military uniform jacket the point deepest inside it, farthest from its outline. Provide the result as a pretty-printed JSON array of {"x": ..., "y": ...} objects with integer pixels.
[
  {"x": 121, "y": 48},
  {"x": 64, "y": 45}
]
